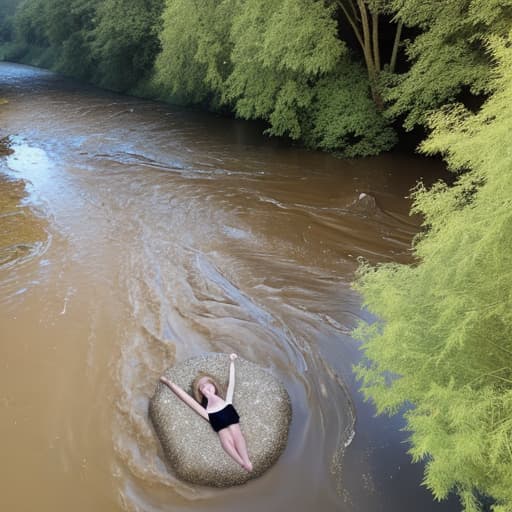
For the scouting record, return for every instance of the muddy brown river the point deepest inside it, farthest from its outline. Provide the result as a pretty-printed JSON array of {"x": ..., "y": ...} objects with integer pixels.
[{"x": 134, "y": 235}]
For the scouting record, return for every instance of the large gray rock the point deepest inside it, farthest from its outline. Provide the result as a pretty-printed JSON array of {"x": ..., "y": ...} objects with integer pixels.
[{"x": 193, "y": 449}]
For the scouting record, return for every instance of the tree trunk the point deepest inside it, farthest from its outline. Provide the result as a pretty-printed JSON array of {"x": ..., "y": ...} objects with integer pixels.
[
  {"x": 375, "y": 36},
  {"x": 394, "y": 53},
  {"x": 371, "y": 56},
  {"x": 368, "y": 39}
]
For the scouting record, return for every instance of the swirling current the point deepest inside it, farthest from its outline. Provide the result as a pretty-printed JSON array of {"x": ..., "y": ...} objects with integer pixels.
[{"x": 135, "y": 235}]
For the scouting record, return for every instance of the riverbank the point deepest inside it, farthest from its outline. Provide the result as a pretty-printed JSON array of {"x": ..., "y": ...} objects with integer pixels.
[
  {"x": 22, "y": 234},
  {"x": 5, "y": 146}
]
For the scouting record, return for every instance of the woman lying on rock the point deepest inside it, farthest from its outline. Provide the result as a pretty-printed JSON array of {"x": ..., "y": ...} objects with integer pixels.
[{"x": 219, "y": 412}]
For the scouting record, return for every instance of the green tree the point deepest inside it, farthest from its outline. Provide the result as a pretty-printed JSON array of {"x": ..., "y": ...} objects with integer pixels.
[
  {"x": 7, "y": 11},
  {"x": 29, "y": 23},
  {"x": 448, "y": 56},
  {"x": 364, "y": 17},
  {"x": 279, "y": 49},
  {"x": 69, "y": 24},
  {"x": 125, "y": 46},
  {"x": 291, "y": 69},
  {"x": 343, "y": 118},
  {"x": 278, "y": 61},
  {"x": 62, "y": 29},
  {"x": 441, "y": 345},
  {"x": 195, "y": 57}
]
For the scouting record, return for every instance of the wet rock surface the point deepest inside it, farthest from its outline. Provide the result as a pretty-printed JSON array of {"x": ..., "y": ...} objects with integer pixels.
[
  {"x": 365, "y": 204},
  {"x": 190, "y": 445}
]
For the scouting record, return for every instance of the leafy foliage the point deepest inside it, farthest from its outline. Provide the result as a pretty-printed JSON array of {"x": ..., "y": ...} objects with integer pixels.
[
  {"x": 7, "y": 10},
  {"x": 62, "y": 26},
  {"x": 278, "y": 61},
  {"x": 194, "y": 38},
  {"x": 448, "y": 56},
  {"x": 29, "y": 23},
  {"x": 283, "y": 62},
  {"x": 442, "y": 342},
  {"x": 343, "y": 117},
  {"x": 269, "y": 79},
  {"x": 88, "y": 39},
  {"x": 126, "y": 46}
]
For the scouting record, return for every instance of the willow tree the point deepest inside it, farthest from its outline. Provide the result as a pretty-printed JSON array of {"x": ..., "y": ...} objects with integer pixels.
[
  {"x": 279, "y": 49},
  {"x": 194, "y": 61},
  {"x": 447, "y": 58},
  {"x": 125, "y": 47},
  {"x": 441, "y": 346}
]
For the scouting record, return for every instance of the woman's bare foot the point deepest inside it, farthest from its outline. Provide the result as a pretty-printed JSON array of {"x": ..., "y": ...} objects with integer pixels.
[{"x": 247, "y": 466}]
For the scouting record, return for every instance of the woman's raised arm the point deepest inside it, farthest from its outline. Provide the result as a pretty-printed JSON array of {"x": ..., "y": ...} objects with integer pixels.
[
  {"x": 180, "y": 393},
  {"x": 231, "y": 384}
]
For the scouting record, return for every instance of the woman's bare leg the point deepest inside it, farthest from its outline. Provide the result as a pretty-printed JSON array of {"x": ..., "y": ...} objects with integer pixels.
[
  {"x": 240, "y": 445},
  {"x": 227, "y": 442}
]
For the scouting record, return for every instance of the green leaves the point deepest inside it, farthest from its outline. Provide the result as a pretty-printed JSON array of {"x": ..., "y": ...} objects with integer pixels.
[
  {"x": 444, "y": 324},
  {"x": 449, "y": 55},
  {"x": 284, "y": 62},
  {"x": 278, "y": 61},
  {"x": 126, "y": 46},
  {"x": 185, "y": 70},
  {"x": 301, "y": 37},
  {"x": 279, "y": 49},
  {"x": 343, "y": 118}
]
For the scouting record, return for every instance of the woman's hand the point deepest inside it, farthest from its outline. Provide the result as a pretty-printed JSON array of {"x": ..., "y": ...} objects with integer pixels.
[{"x": 232, "y": 356}]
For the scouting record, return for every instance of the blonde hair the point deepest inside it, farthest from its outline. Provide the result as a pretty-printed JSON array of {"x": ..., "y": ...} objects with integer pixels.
[{"x": 219, "y": 388}]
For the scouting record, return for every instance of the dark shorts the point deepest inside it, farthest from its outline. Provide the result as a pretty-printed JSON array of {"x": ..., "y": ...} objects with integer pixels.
[{"x": 223, "y": 418}]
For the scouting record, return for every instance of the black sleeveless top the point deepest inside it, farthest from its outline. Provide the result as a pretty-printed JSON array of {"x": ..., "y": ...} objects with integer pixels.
[{"x": 223, "y": 418}]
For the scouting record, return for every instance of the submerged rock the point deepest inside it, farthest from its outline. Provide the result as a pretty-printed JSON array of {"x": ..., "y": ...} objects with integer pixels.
[
  {"x": 190, "y": 445},
  {"x": 365, "y": 204}
]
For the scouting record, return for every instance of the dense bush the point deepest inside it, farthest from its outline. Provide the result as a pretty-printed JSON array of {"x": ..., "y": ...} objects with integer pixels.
[
  {"x": 442, "y": 342},
  {"x": 285, "y": 62}
]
